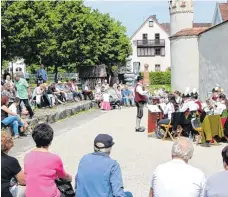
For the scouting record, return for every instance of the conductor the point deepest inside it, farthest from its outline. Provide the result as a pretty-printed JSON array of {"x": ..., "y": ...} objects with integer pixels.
[{"x": 140, "y": 100}]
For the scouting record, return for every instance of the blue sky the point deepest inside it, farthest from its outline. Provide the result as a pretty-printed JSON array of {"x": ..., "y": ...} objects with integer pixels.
[{"x": 133, "y": 13}]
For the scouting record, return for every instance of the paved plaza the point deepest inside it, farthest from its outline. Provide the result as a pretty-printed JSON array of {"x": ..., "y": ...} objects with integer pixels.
[{"x": 137, "y": 154}]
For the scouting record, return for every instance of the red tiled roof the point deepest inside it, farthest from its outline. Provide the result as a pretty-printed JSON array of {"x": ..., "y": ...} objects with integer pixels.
[
  {"x": 224, "y": 11},
  {"x": 166, "y": 26},
  {"x": 190, "y": 31},
  {"x": 202, "y": 24}
]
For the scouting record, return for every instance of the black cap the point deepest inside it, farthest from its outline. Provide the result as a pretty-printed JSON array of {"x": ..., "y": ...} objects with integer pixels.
[
  {"x": 104, "y": 139},
  {"x": 139, "y": 78}
]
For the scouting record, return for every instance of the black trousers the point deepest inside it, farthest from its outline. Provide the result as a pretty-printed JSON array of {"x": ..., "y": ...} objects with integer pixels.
[
  {"x": 28, "y": 107},
  {"x": 139, "y": 106}
]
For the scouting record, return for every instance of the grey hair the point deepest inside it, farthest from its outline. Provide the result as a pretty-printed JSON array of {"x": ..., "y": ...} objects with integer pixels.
[
  {"x": 183, "y": 148},
  {"x": 103, "y": 150},
  {"x": 19, "y": 74}
]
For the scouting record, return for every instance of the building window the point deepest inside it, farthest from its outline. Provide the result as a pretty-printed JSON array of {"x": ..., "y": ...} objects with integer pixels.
[
  {"x": 145, "y": 36},
  {"x": 157, "y": 51},
  {"x": 157, "y": 68},
  {"x": 157, "y": 36},
  {"x": 145, "y": 52},
  {"x": 151, "y": 23},
  {"x": 18, "y": 69}
]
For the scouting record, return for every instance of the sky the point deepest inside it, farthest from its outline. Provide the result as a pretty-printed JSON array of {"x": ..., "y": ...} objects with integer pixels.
[{"x": 133, "y": 13}]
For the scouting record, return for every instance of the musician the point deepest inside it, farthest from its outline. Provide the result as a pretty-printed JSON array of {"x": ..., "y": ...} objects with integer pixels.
[
  {"x": 178, "y": 98},
  {"x": 194, "y": 96},
  {"x": 215, "y": 94},
  {"x": 170, "y": 108},
  {"x": 220, "y": 106},
  {"x": 140, "y": 100},
  {"x": 189, "y": 104}
]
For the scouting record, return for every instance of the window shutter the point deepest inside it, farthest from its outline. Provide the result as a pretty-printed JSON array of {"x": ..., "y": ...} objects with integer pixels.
[
  {"x": 153, "y": 52},
  {"x": 162, "y": 51}
]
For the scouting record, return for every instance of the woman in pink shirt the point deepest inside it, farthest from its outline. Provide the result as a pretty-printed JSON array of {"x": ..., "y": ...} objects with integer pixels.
[{"x": 42, "y": 167}]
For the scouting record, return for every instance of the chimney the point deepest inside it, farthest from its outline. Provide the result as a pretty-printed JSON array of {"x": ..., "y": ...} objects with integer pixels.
[{"x": 154, "y": 16}]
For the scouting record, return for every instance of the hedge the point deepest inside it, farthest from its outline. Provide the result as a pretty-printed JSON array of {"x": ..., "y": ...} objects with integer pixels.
[{"x": 160, "y": 78}]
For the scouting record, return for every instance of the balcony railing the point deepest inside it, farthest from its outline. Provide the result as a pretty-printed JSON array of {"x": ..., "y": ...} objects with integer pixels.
[{"x": 151, "y": 43}]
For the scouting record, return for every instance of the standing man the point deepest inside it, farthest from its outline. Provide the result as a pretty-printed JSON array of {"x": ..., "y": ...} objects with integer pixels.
[
  {"x": 140, "y": 100},
  {"x": 41, "y": 75},
  {"x": 22, "y": 88}
]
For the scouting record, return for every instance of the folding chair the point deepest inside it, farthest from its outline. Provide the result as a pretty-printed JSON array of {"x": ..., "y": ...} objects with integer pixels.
[
  {"x": 196, "y": 126},
  {"x": 167, "y": 130}
]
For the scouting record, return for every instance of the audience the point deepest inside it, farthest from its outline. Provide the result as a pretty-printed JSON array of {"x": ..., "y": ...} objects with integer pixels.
[
  {"x": 41, "y": 75},
  {"x": 11, "y": 171},
  {"x": 99, "y": 175},
  {"x": 73, "y": 87},
  {"x": 42, "y": 167},
  {"x": 60, "y": 95},
  {"x": 105, "y": 85},
  {"x": 8, "y": 80},
  {"x": 87, "y": 92},
  {"x": 13, "y": 108},
  {"x": 9, "y": 92},
  {"x": 128, "y": 96},
  {"x": 13, "y": 121},
  {"x": 217, "y": 184},
  {"x": 177, "y": 178},
  {"x": 119, "y": 94}
]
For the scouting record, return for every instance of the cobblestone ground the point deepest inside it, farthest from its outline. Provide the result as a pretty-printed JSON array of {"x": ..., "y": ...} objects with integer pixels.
[{"x": 137, "y": 154}]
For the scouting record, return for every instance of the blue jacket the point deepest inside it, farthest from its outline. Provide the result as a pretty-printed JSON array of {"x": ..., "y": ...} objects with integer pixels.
[
  {"x": 98, "y": 176},
  {"x": 43, "y": 73}
]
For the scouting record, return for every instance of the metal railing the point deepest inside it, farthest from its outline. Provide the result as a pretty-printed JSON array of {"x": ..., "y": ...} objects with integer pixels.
[{"x": 151, "y": 43}]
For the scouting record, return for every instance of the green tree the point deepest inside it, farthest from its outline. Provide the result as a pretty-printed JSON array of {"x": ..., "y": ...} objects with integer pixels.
[{"x": 63, "y": 34}]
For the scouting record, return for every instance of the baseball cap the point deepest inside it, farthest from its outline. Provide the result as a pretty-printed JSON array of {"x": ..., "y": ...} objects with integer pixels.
[{"x": 105, "y": 140}]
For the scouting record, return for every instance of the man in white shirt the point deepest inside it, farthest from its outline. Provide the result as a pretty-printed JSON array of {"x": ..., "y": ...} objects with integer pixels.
[
  {"x": 220, "y": 106},
  {"x": 140, "y": 100},
  {"x": 189, "y": 104},
  {"x": 176, "y": 178}
]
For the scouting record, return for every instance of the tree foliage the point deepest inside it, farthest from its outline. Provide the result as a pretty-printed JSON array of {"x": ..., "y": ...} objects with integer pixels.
[{"x": 59, "y": 33}]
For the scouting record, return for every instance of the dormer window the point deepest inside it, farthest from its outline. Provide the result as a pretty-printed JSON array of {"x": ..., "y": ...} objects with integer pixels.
[{"x": 151, "y": 23}]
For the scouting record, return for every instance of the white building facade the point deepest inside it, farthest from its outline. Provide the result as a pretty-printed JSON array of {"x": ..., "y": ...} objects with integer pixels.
[
  {"x": 185, "y": 62},
  {"x": 151, "y": 46},
  {"x": 213, "y": 59},
  {"x": 199, "y": 54},
  {"x": 17, "y": 66}
]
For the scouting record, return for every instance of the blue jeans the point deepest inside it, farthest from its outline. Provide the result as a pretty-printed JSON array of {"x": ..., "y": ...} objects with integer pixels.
[
  {"x": 128, "y": 194},
  {"x": 78, "y": 94},
  {"x": 13, "y": 121},
  {"x": 128, "y": 100}
]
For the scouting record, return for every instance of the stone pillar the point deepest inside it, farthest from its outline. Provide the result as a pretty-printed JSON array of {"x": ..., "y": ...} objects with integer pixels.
[{"x": 146, "y": 80}]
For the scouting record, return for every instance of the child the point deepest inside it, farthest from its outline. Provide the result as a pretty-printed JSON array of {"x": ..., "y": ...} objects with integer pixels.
[
  {"x": 105, "y": 105},
  {"x": 13, "y": 108}
]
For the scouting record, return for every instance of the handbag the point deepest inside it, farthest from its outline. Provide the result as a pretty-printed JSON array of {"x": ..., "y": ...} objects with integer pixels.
[{"x": 65, "y": 188}]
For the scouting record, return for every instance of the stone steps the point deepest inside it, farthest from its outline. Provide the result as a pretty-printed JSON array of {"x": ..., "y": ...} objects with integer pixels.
[{"x": 52, "y": 115}]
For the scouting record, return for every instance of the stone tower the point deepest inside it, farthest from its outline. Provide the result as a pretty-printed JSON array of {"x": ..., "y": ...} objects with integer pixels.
[{"x": 181, "y": 15}]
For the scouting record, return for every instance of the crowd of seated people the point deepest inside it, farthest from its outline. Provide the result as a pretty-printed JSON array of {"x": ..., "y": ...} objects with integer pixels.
[
  {"x": 56, "y": 93},
  {"x": 189, "y": 105},
  {"x": 174, "y": 178}
]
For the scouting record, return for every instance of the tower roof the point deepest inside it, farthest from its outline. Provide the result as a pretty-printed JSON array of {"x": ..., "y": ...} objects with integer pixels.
[
  {"x": 190, "y": 32},
  {"x": 166, "y": 26}
]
